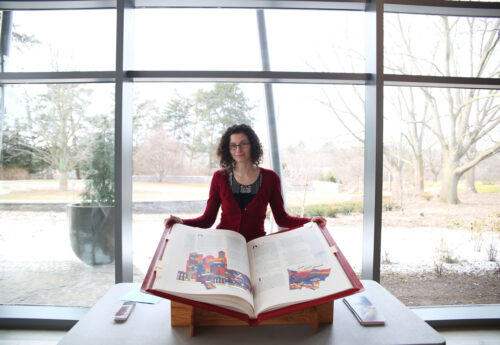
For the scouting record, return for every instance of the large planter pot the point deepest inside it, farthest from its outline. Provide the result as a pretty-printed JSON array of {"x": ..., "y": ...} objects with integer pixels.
[{"x": 92, "y": 233}]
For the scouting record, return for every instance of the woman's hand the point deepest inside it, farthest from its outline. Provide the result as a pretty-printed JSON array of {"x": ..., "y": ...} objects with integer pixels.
[
  {"x": 172, "y": 220},
  {"x": 319, "y": 220}
]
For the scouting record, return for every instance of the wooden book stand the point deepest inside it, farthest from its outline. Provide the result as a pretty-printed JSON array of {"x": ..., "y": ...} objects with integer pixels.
[{"x": 186, "y": 315}]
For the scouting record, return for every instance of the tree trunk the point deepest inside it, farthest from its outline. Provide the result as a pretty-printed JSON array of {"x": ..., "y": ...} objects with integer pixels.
[
  {"x": 471, "y": 180},
  {"x": 401, "y": 187},
  {"x": 63, "y": 180},
  {"x": 390, "y": 181},
  {"x": 420, "y": 161},
  {"x": 449, "y": 184},
  {"x": 436, "y": 175},
  {"x": 210, "y": 156},
  {"x": 211, "y": 150}
]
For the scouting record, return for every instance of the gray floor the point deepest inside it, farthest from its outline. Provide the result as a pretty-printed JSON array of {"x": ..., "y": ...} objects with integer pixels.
[
  {"x": 30, "y": 337},
  {"x": 452, "y": 336}
]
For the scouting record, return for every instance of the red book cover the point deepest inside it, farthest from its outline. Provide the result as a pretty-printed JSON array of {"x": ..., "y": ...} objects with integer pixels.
[{"x": 302, "y": 281}]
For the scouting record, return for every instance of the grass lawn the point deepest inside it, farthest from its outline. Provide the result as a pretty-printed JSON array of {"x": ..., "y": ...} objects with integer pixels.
[
  {"x": 32, "y": 190},
  {"x": 142, "y": 191}
]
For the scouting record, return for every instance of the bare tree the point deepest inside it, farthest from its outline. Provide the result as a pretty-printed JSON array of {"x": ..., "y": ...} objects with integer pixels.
[
  {"x": 471, "y": 174},
  {"x": 414, "y": 134},
  {"x": 56, "y": 125},
  {"x": 160, "y": 155},
  {"x": 349, "y": 116},
  {"x": 433, "y": 160},
  {"x": 460, "y": 119},
  {"x": 471, "y": 115}
]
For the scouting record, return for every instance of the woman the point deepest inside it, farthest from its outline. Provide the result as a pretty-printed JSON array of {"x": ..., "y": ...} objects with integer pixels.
[{"x": 243, "y": 189}]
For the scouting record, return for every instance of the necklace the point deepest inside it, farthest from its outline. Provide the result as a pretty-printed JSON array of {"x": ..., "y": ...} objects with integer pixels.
[{"x": 245, "y": 189}]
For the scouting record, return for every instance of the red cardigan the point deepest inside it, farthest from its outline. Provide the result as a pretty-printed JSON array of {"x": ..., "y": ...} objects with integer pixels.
[{"x": 250, "y": 221}]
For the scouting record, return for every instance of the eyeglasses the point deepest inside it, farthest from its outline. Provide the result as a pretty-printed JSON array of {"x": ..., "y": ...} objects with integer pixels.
[{"x": 242, "y": 146}]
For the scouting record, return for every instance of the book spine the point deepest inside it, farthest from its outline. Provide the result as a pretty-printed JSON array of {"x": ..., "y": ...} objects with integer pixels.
[{"x": 151, "y": 274}]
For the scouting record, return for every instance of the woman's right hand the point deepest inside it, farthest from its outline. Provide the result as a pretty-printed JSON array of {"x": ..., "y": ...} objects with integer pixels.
[{"x": 172, "y": 220}]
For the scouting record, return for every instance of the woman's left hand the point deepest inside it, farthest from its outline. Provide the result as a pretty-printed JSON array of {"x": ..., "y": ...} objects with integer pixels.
[{"x": 319, "y": 220}]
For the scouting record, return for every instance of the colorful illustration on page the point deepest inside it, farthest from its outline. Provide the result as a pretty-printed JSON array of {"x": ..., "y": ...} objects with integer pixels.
[
  {"x": 307, "y": 277},
  {"x": 212, "y": 271}
]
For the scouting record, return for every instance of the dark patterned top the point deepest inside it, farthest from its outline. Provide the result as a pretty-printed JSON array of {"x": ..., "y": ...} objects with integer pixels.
[{"x": 242, "y": 193}]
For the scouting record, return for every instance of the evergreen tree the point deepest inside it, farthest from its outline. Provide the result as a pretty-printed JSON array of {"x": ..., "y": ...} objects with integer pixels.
[{"x": 99, "y": 170}]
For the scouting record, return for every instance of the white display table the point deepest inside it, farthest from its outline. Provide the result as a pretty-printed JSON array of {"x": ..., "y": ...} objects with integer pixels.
[{"x": 149, "y": 324}]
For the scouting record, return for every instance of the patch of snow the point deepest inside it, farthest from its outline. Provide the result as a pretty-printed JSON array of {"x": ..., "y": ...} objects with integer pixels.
[{"x": 44, "y": 236}]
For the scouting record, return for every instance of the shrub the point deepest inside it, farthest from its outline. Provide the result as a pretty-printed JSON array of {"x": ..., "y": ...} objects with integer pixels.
[
  {"x": 427, "y": 196},
  {"x": 476, "y": 231},
  {"x": 324, "y": 210},
  {"x": 386, "y": 259},
  {"x": 492, "y": 252},
  {"x": 390, "y": 205},
  {"x": 439, "y": 268},
  {"x": 349, "y": 207},
  {"x": 443, "y": 256},
  {"x": 329, "y": 210},
  {"x": 329, "y": 177}
]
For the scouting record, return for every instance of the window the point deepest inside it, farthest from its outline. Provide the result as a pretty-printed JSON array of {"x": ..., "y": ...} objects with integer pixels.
[
  {"x": 58, "y": 143},
  {"x": 196, "y": 39},
  {"x": 441, "y": 46},
  {"x": 319, "y": 41},
  {"x": 176, "y": 131},
  {"x": 63, "y": 40},
  {"x": 199, "y": 39},
  {"x": 322, "y": 160},
  {"x": 321, "y": 130},
  {"x": 438, "y": 195},
  {"x": 440, "y": 226}
]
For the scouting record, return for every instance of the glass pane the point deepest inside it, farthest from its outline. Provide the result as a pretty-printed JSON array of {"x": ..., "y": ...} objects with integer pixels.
[
  {"x": 441, "y": 228},
  {"x": 212, "y": 39},
  {"x": 57, "y": 156},
  {"x": 62, "y": 40},
  {"x": 324, "y": 41},
  {"x": 196, "y": 39},
  {"x": 174, "y": 158},
  {"x": 321, "y": 136},
  {"x": 441, "y": 46},
  {"x": 177, "y": 127}
]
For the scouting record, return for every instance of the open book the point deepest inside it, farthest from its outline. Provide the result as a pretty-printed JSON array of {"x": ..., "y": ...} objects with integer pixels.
[{"x": 266, "y": 277}]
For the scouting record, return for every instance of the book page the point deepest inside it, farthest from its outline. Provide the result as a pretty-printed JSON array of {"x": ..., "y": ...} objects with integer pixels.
[
  {"x": 200, "y": 263},
  {"x": 292, "y": 267}
]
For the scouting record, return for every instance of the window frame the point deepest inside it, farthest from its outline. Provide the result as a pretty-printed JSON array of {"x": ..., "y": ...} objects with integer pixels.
[{"x": 374, "y": 80}]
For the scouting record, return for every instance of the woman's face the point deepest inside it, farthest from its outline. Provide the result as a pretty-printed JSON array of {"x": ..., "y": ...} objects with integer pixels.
[{"x": 239, "y": 147}]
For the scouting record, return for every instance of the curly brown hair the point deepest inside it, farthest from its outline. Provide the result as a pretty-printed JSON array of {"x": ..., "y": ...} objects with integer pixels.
[{"x": 226, "y": 161}]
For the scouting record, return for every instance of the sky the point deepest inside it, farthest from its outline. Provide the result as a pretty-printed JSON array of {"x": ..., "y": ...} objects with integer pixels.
[
  {"x": 204, "y": 40},
  {"x": 219, "y": 39}
]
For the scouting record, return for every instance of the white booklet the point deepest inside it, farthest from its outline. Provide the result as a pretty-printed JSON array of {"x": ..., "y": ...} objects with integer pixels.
[{"x": 364, "y": 310}]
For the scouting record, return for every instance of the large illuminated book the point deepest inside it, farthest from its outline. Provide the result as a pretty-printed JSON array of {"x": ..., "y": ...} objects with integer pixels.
[{"x": 264, "y": 278}]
